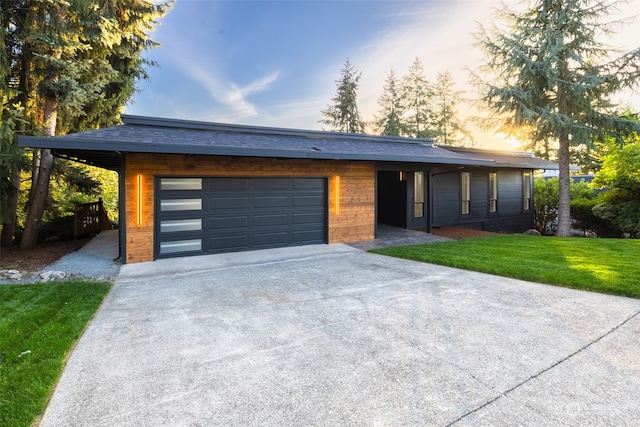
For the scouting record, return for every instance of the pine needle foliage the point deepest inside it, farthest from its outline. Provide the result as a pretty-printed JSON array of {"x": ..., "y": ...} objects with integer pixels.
[
  {"x": 548, "y": 77},
  {"x": 342, "y": 114}
]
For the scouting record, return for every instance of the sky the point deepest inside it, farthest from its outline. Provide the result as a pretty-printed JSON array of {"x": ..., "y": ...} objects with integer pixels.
[{"x": 275, "y": 63}]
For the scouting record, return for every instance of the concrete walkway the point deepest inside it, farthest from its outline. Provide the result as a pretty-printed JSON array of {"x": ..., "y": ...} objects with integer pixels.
[
  {"x": 329, "y": 335},
  {"x": 94, "y": 260},
  {"x": 104, "y": 245},
  {"x": 387, "y": 236}
]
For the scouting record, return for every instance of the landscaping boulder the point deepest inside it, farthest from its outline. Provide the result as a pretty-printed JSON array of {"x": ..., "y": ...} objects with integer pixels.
[
  {"x": 53, "y": 275},
  {"x": 532, "y": 232},
  {"x": 10, "y": 275}
]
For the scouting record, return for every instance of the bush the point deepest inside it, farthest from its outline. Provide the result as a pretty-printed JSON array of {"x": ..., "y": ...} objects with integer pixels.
[
  {"x": 57, "y": 230},
  {"x": 585, "y": 219},
  {"x": 620, "y": 175},
  {"x": 545, "y": 199},
  {"x": 588, "y": 211}
]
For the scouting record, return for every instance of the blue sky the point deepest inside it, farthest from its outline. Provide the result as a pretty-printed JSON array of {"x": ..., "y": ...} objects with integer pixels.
[{"x": 274, "y": 63}]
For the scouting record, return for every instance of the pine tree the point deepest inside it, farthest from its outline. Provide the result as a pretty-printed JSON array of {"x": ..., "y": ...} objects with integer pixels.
[
  {"x": 72, "y": 66},
  {"x": 446, "y": 124},
  {"x": 546, "y": 74},
  {"x": 390, "y": 115},
  {"x": 417, "y": 96},
  {"x": 342, "y": 114}
]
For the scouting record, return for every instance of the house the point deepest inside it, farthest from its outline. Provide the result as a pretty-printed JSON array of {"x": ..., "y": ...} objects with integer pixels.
[{"x": 189, "y": 187}]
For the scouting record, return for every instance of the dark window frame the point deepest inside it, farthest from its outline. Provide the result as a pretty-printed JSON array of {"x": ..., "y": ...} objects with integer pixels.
[
  {"x": 493, "y": 192},
  {"x": 527, "y": 191},
  {"x": 418, "y": 194},
  {"x": 465, "y": 193}
]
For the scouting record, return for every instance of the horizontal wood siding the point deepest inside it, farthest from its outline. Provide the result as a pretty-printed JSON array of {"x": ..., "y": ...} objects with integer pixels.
[{"x": 353, "y": 220}]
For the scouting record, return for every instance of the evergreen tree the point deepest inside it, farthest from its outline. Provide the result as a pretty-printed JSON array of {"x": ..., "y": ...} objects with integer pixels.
[
  {"x": 446, "y": 124},
  {"x": 390, "y": 115},
  {"x": 342, "y": 114},
  {"x": 547, "y": 74},
  {"x": 72, "y": 65},
  {"x": 417, "y": 95}
]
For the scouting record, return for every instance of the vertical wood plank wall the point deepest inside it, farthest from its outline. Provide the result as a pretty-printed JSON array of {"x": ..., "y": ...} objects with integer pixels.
[{"x": 354, "y": 221}]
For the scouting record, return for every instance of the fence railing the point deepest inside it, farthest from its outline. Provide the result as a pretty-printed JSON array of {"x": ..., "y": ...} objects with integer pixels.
[{"x": 91, "y": 218}]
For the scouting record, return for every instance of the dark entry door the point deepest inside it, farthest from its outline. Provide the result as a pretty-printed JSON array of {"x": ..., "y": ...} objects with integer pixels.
[
  {"x": 392, "y": 198},
  {"x": 214, "y": 215}
]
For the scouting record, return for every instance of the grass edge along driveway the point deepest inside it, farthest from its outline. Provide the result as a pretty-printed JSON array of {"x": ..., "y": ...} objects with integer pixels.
[
  {"x": 39, "y": 325},
  {"x": 610, "y": 266}
]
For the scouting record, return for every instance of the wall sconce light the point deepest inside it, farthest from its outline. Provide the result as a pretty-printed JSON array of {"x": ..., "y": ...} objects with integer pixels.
[
  {"x": 401, "y": 176},
  {"x": 139, "y": 199},
  {"x": 337, "y": 195}
]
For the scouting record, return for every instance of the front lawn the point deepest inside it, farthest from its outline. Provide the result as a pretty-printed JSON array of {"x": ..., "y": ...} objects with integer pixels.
[
  {"x": 39, "y": 324},
  {"x": 610, "y": 266}
]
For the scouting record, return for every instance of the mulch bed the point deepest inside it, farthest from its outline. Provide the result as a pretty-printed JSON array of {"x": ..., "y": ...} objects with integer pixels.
[
  {"x": 36, "y": 259},
  {"x": 457, "y": 233}
]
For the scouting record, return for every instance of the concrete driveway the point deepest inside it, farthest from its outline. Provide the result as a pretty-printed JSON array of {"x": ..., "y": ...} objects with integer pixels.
[{"x": 329, "y": 335}]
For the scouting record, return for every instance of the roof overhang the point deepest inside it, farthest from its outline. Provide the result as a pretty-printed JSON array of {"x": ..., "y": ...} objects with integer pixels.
[{"x": 107, "y": 147}]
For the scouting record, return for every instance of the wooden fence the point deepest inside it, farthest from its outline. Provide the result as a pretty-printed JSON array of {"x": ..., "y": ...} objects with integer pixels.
[{"x": 91, "y": 218}]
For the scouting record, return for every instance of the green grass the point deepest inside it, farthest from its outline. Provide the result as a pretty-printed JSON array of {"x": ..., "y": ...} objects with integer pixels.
[
  {"x": 610, "y": 266},
  {"x": 39, "y": 324}
]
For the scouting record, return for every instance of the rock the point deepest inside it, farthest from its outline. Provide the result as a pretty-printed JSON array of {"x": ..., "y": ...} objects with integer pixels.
[
  {"x": 49, "y": 276},
  {"x": 10, "y": 275},
  {"x": 532, "y": 232}
]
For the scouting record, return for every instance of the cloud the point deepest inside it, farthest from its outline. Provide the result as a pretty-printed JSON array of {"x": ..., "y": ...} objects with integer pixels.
[
  {"x": 231, "y": 95},
  {"x": 441, "y": 36}
]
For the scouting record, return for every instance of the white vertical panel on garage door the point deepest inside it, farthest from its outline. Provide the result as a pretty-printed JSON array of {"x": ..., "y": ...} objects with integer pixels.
[{"x": 213, "y": 215}]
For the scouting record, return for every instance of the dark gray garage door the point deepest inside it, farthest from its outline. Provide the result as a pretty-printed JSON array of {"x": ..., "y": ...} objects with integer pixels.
[{"x": 213, "y": 215}]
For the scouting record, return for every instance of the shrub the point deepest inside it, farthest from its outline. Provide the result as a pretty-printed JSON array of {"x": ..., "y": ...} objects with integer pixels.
[
  {"x": 585, "y": 219},
  {"x": 620, "y": 175},
  {"x": 588, "y": 211},
  {"x": 58, "y": 229},
  {"x": 545, "y": 199}
]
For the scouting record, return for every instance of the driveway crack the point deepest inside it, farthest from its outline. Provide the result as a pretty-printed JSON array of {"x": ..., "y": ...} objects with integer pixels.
[{"x": 580, "y": 350}]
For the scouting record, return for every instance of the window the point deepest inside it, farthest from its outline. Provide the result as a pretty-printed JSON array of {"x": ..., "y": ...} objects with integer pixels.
[
  {"x": 180, "y": 184},
  {"x": 167, "y": 205},
  {"x": 180, "y": 246},
  {"x": 173, "y": 226},
  {"x": 465, "y": 192},
  {"x": 418, "y": 194},
  {"x": 526, "y": 191},
  {"x": 493, "y": 192}
]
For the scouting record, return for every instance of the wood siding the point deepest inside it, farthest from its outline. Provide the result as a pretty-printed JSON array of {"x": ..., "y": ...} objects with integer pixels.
[
  {"x": 509, "y": 216},
  {"x": 353, "y": 220}
]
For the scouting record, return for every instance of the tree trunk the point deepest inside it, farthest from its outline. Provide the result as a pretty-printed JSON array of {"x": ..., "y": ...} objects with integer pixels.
[
  {"x": 41, "y": 190},
  {"x": 32, "y": 226},
  {"x": 35, "y": 170},
  {"x": 564, "y": 160},
  {"x": 564, "y": 204},
  {"x": 9, "y": 226}
]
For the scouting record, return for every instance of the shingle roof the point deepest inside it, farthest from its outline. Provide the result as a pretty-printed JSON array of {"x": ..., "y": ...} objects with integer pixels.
[
  {"x": 508, "y": 159},
  {"x": 153, "y": 135}
]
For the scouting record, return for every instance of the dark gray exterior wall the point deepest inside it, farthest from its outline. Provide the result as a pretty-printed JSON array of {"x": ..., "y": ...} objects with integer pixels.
[
  {"x": 510, "y": 217},
  {"x": 395, "y": 199}
]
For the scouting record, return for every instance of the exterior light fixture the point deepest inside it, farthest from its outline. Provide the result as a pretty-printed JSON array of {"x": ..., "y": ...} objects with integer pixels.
[
  {"x": 337, "y": 195},
  {"x": 139, "y": 199}
]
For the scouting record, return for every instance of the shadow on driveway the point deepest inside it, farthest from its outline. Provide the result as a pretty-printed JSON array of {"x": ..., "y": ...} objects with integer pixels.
[{"x": 330, "y": 335}]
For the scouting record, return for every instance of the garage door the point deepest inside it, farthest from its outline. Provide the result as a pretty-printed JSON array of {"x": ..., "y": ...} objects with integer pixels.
[{"x": 214, "y": 215}]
